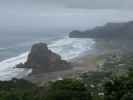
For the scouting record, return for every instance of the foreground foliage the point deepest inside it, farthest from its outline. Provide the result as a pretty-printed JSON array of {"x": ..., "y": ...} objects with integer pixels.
[
  {"x": 115, "y": 88},
  {"x": 119, "y": 88},
  {"x": 101, "y": 85},
  {"x": 67, "y": 89}
]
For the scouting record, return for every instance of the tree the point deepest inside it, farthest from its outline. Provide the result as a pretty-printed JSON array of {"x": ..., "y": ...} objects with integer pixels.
[
  {"x": 67, "y": 89},
  {"x": 120, "y": 87},
  {"x": 128, "y": 96}
]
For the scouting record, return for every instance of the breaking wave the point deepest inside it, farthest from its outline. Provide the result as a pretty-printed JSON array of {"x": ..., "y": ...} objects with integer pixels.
[{"x": 68, "y": 48}]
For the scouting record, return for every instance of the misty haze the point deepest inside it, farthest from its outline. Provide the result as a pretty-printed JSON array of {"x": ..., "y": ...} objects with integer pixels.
[{"x": 66, "y": 50}]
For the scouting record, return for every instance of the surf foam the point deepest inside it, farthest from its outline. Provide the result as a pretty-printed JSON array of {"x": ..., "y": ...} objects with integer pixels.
[{"x": 68, "y": 48}]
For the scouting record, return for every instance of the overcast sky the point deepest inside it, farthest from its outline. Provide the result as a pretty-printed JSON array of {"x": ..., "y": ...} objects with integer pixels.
[
  {"x": 89, "y": 4},
  {"x": 34, "y": 15}
]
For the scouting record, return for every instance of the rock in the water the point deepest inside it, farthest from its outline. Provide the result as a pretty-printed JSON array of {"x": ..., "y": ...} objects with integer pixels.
[{"x": 42, "y": 60}]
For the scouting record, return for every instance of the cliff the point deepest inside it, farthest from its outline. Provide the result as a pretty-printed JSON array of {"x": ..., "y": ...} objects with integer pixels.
[{"x": 108, "y": 31}]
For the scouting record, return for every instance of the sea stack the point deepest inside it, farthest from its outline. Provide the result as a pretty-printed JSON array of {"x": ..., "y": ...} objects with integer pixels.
[{"x": 43, "y": 60}]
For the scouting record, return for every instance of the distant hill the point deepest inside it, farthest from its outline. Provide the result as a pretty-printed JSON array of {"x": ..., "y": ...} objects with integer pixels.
[{"x": 108, "y": 31}]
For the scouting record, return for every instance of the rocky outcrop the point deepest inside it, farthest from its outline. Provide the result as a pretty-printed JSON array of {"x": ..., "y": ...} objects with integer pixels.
[
  {"x": 42, "y": 60},
  {"x": 77, "y": 34},
  {"x": 108, "y": 31}
]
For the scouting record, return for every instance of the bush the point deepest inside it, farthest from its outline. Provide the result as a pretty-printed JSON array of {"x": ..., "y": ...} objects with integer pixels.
[
  {"x": 67, "y": 89},
  {"x": 119, "y": 88}
]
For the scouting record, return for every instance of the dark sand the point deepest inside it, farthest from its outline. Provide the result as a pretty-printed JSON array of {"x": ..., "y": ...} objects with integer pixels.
[{"x": 86, "y": 62}]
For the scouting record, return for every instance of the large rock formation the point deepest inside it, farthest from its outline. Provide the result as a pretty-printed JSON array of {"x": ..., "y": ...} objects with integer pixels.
[{"x": 42, "y": 60}]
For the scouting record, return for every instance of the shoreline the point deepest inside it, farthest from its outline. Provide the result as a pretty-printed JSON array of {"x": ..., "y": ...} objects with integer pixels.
[{"x": 84, "y": 63}]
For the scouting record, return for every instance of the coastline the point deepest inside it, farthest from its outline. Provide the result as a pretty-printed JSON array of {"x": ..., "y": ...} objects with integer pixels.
[
  {"x": 84, "y": 62},
  {"x": 66, "y": 47},
  {"x": 87, "y": 62}
]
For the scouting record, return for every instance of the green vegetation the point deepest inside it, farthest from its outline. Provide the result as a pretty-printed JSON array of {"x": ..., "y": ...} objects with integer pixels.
[
  {"x": 119, "y": 88},
  {"x": 67, "y": 89},
  {"x": 115, "y": 88},
  {"x": 113, "y": 82},
  {"x": 117, "y": 64}
]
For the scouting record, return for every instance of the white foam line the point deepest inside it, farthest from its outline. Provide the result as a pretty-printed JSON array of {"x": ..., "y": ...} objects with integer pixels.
[
  {"x": 2, "y": 48},
  {"x": 68, "y": 48},
  {"x": 8, "y": 70}
]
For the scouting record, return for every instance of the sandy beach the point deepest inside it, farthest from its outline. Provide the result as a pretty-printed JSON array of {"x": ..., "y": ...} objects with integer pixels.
[{"x": 85, "y": 63}]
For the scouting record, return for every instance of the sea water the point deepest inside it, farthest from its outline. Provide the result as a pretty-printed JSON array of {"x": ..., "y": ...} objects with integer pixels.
[{"x": 52, "y": 29}]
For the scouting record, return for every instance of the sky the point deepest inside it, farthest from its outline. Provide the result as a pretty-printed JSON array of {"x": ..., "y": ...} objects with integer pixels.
[
  {"x": 36, "y": 15},
  {"x": 85, "y": 4}
]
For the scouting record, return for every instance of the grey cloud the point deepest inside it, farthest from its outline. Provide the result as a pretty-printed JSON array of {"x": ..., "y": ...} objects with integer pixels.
[
  {"x": 37, "y": 15},
  {"x": 90, "y": 4}
]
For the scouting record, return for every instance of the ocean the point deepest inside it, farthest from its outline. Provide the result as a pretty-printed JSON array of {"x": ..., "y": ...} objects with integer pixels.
[
  {"x": 68, "y": 48},
  {"x": 15, "y": 44}
]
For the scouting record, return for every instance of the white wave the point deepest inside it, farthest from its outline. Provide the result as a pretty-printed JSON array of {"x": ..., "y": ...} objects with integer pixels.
[
  {"x": 8, "y": 70},
  {"x": 68, "y": 48},
  {"x": 2, "y": 48}
]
